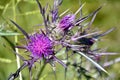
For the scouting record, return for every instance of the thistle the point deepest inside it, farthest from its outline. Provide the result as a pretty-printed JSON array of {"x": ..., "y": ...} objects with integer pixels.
[{"x": 42, "y": 45}]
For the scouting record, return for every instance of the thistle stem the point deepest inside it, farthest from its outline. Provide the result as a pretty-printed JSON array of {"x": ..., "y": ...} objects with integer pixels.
[{"x": 38, "y": 75}]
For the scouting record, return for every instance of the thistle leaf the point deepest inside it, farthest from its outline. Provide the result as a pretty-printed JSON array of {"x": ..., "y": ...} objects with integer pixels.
[{"x": 96, "y": 64}]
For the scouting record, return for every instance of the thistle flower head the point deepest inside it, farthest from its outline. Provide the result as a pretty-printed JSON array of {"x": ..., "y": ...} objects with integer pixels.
[
  {"x": 67, "y": 22},
  {"x": 40, "y": 45}
]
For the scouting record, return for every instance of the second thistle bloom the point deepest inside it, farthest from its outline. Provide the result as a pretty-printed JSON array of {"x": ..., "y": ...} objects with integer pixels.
[
  {"x": 67, "y": 22},
  {"x": 40, "y": 46}
]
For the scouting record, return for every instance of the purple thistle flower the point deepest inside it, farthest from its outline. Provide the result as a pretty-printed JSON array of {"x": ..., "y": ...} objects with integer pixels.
[
  {"x": 40, "y": 46},
  {"x": 67, "y": 22}
]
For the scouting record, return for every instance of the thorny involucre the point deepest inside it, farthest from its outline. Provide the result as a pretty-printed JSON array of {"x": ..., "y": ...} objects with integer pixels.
[
  {"x": 67, "y": 22},
  {"x": 42, "y": 45}
]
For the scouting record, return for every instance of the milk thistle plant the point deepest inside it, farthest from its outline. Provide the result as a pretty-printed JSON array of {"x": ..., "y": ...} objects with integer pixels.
[{"x": 62, "y": 32}]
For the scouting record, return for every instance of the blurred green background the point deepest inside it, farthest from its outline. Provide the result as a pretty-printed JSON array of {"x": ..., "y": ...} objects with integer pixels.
[{"x": 26, "y": 14}]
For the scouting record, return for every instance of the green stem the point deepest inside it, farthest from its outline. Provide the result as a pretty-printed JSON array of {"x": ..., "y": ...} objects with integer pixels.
[
  {"x": 38, "y": 75},
  {"x": 16, "y": 40}
]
